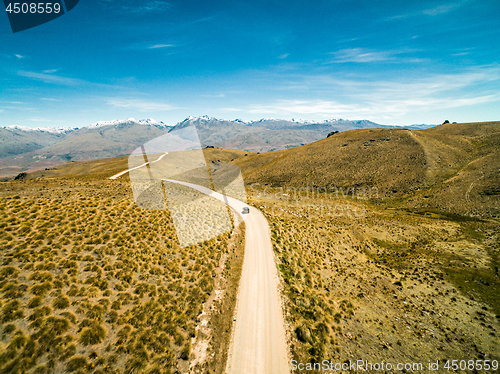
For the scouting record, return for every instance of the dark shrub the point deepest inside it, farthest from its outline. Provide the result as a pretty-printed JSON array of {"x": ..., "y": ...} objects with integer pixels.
[
  {"x": 92, "y": 335},
  {"x": 75, "y": 363}
]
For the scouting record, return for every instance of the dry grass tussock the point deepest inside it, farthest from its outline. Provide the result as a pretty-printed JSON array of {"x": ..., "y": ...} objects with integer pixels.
[
  {"x": 91, "y": 283},
  {"x": 398, "y": 286}
]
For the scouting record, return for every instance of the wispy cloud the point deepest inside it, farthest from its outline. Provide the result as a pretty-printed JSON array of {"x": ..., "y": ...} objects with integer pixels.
[
  {"x": 146, "y": 46},
  {"x": 18, "y": 108},
  {"x": 156, "y": 46},
  {"x": 322, "y": 108},
  {"x": 231, "y": 109},
  {"x": 50, "y": 71},
  {"x": 221, "y": 95},
  {"x": 362, "y": 55},
  {"x": 13, "y": 102},
  {"x": 50, "y": 78},
  {"x": 64, "y": 81},
  {"x": 380, "y": 98},
  {"x": 38, "y": 119},
  {"x": 140, "y": 105},
  {"x": 441, "y": 9},
  {"x": 436, "y": 11},
  {"x": 19, "y": 56},
  {"x": 49, "y": 99},
  {"x": 145, "y": 6},
  {"x": 284, "y": 55}
]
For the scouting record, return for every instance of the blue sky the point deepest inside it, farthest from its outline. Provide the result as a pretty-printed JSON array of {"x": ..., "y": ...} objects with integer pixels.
[{"x": 392, "y": 62}]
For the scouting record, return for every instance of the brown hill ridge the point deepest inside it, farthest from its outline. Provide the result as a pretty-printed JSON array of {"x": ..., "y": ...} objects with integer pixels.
[{"x": 452, "y": 167}]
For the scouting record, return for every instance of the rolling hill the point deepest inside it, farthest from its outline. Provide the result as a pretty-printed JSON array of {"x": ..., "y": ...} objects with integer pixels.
[{"x": 452, "y": 167}]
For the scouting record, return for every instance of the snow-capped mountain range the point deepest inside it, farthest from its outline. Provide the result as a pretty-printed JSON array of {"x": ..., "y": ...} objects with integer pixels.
[
  {"x": 202, "y": 119},
  {"x": 52, "y": 130},
  {"x": 116, "y": 122},
  {"x": 143, "y": 122}
]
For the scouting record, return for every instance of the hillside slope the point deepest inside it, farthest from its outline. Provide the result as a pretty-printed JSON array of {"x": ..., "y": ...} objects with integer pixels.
[
  {"x": 453, "y": 167},
  {"x": 104, "y": 168},
  {"x": 386, "y": 159}
]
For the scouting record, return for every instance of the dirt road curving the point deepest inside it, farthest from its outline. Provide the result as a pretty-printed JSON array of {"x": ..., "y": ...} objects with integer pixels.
[
  {"x": 258, "y": 343},
  {"x": 137, "y": 167}
]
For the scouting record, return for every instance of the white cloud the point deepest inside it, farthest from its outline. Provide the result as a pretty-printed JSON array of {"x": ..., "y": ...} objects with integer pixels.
[
  {"x": 321, "y": 108},
  {"x": 50, "y": 71},
  {"x": 360, "y": 55},
  {"x": 49, "y": 99},
  {"x": 370, "y": 98},
  {"x": 232, "y": 109},
  {"x": 19, "y": 56},
  {"x": 156, "y": 46},
  {"x": 145, "y": 6},
  {"x": 50, "y": 78},
  {"x": 37, "y": 119},
  {"x": 221, "y": 95},
  {"x": 65, "y": 81},
  {"x": 141, "y": 105},
  {"x": 441, "y": 9}
]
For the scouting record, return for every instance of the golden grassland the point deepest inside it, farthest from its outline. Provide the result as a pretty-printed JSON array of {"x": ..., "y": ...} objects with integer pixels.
[
  {"x": 91, "y": 283},
  {"x": 408, "y": 274},
  {"x": 392, "y": 285}
]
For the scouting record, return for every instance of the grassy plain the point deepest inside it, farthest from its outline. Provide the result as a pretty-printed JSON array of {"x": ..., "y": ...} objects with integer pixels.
[
  {"x": 91, "y": 283},
  {"x": 376, "y": 283}
]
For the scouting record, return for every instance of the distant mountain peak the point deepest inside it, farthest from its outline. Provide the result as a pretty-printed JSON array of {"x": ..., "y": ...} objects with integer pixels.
[
  {"x": 192, "y": 119},
  {"x": 267, "y": 120},
  {"x": 143, "y": 122},
  {"x": 297, "y": 120}
]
